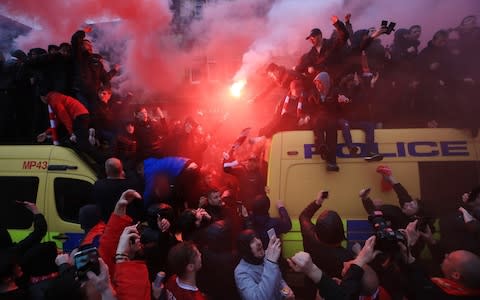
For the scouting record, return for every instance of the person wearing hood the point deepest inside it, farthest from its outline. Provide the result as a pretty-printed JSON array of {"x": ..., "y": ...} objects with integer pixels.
[
  {"x": 258, "y": 276},
  {"x": 261, "y": 221},
  {"x": 323, "y": 240},
  {"x": 325, "y": 119},
  {"x": 218, "y": 263}
]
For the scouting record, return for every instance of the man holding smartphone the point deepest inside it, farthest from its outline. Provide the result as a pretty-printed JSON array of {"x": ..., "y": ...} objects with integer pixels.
[{"x": 323, "y": 240}]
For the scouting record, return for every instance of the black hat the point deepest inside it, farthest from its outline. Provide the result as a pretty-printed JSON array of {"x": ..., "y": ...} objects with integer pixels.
[
  {"x": 243, "y": 246},
  {"x": 329, "y": 227},
  {"x": 314, "y": 32}
]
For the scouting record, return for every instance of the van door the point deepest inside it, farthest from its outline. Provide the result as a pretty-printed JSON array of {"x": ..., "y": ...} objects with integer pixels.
[
  {"x": 67, "y": 194},
  {"x": 443, "y": 184}
]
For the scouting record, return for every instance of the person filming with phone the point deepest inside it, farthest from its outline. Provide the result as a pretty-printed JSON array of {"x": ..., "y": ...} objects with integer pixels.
[{"x": 258, "y": 275}]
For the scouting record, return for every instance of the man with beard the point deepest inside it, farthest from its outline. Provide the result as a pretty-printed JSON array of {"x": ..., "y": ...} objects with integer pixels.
[{"x": 258, "y": 275}]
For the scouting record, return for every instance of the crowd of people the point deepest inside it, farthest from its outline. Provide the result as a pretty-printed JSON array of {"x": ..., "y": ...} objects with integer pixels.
[
  {"x": 224, "y": 246},
  {"x": 166, "y": 225}
]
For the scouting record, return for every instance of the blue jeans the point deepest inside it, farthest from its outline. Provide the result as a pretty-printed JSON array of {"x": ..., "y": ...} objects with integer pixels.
[{"x": 366, "y": 126}]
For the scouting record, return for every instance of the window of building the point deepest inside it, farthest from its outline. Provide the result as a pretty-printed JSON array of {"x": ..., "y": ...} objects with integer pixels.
[
  {"x": 212, "y": 70},
  {"x": 70, "y": 196},
  {"x": 195, "y": 75},
  {"x": 12, "y": 214}
]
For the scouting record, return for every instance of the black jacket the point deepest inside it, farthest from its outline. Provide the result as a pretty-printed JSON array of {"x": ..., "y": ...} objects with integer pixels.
[
  {"x": 88, "y": 71},
  {"x": 329, "y": 53}
]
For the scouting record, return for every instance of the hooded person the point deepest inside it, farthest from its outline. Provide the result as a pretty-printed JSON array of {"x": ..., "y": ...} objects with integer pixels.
[
  {"x": 325, "y": 119},
  {"x": 257, "y": 275},
  {"x": 262, "y": 222},
  {"x": 219, "y": 262},
  {"x": 323, "y": 240}
]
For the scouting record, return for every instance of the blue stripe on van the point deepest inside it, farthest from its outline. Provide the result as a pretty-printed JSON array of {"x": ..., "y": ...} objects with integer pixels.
[
  {"x": 73, "y": 241},
  {"x": 358, "y": 231}
]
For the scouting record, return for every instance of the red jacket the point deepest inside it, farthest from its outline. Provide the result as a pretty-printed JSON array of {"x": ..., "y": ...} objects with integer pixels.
[
  {"x": 110, "y": 237},
  {"x": 94, "y": 233},
  {"x": 130, "y": 279},
  {"x": 65, "y": 108}
]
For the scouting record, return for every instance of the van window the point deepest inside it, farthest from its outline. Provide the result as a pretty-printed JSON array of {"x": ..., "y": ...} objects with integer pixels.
[
  {"x": 12, "y": 214},
  {"x": 70, "y": 196}
]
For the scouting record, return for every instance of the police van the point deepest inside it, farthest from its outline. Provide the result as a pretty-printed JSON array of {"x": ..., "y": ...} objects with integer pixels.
[
  {"x": 435, "y": 165},
  {"x": 56, "y": 179}
]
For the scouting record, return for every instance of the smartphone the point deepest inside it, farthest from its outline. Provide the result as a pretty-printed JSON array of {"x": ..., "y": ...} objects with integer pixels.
[
  {"x": 271, "y": 233},
  {"x": 140, "y": 228},
  {"x": 324, "y": 194},
  {"x": 384, "y": 23},
  {"x": 86, "y": 260}
]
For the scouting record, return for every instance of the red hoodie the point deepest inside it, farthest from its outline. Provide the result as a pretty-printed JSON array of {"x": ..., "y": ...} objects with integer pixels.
[{"x": 66, "y": 108}]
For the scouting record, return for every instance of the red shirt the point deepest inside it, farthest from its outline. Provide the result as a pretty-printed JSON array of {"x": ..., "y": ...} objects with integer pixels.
[
  {"x": 177, "y": 290},
  {"x": 66, "y": 108}
]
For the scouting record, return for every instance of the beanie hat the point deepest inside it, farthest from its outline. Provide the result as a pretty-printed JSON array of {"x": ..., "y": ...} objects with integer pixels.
[{"x": 88, "y": 216}]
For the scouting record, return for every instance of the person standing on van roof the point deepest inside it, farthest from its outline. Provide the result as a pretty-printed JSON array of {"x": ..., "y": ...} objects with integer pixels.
[{"x": 324, "y": 53}]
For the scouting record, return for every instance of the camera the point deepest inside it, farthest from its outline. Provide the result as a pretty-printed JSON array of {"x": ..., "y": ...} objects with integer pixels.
[
  {"x": 386, "y": 238},
  {"x": 389, "y": 27},
  {"x": 86, "y": 260}
]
